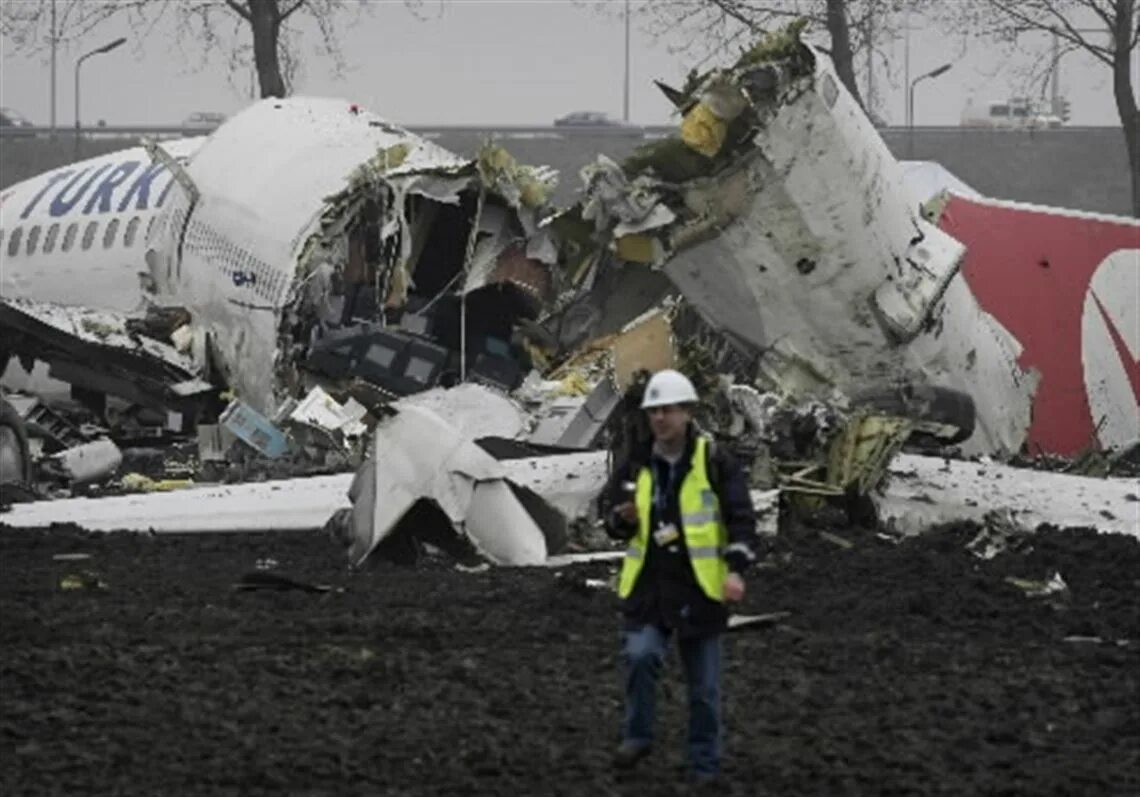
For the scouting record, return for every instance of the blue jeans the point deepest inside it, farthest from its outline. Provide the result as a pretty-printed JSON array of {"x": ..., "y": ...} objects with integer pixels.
[{"x": 644, "y": 655}]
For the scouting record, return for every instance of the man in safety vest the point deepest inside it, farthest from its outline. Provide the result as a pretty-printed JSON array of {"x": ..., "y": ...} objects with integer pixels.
[{"x": 685, "y": 510}]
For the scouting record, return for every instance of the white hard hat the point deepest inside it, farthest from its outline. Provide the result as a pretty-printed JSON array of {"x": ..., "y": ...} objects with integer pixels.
[{"x": 668, "y": 387}]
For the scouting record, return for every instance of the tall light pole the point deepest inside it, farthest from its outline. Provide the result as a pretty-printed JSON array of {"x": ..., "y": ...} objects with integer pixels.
[
  {"x": 870, "y": 34},
  {"x": 1055, "y": 99},
  {"x": 53, "y": 48},
  {"x": 106, "y": 48},
  {"x": 906, "y": 60},
  {"x": 933, "y": 73},
  {"x": 625, "y": 93}
]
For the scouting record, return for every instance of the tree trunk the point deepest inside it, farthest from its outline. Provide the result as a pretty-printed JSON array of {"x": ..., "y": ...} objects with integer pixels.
[
  {"x": 1125, "y": 99},
  {"x": 841, "y": 54},
  {"x": 265, "y": 20}
]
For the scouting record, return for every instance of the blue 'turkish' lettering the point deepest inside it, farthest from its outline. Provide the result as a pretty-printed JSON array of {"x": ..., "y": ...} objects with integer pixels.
[
  {"x": 53, "y": 180},
  {"x": 62, "y": 203},
  {"x": 102, "y": 194},
  {"x": 141, "y": 188},
  {"x": 76, "y": 185}
]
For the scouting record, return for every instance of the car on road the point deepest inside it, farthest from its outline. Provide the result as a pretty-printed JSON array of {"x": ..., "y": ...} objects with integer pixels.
[
  {"x": 1019, "y": 113},
  {"x": 14, "y": 123},
  {"x": 586, "y": 119}
]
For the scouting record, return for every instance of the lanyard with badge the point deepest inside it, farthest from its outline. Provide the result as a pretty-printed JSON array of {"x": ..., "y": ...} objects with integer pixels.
[{"x": 665, "y": 533}]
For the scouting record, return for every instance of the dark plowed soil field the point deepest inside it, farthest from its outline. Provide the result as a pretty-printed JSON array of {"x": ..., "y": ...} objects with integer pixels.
[{"x": 902, "y": 669}]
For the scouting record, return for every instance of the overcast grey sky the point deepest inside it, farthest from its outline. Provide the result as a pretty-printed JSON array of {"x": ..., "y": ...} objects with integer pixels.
[{"x": 491, "y": 61}]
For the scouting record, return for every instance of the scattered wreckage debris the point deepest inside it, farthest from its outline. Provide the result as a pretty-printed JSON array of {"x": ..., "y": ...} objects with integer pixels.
[
  {"x": 88, "y": 579},
  {"x": 101, "y": 354},
  {"x": 927, "y": 491},
  {"x": 495, "y": 507},
  {"x": 485, "y": 491},
  {"x": 1034, "y": 588},
  {"x": 85, "y": 463},
  {"x": 1122, "y": 461},
  {"x": 278, "y": 582},
  {"x": 315, "y": 436},
  {"x": 300, "y": 504},
  {"x": 920, "y": 493}
]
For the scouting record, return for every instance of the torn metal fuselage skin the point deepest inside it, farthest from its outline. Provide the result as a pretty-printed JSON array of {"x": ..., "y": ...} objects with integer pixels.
[
  {"x": 795, "y": 236},
  {"x": 310, "y": 218}
]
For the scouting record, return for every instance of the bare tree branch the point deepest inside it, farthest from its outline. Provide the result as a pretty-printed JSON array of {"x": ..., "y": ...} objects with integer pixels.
[
  {"x": 291, "y": 10},
  {"x": 239, "y": 9},
  {"x": 275, "y": 49},
  {"x": 1013, "y": 10},
  {"x": 729, "y": 9},
  {"x": 1093, "y": 6}
]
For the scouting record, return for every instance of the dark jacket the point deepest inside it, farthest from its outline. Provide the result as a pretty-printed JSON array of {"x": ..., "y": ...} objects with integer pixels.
[{"x": 667, "y": 593}]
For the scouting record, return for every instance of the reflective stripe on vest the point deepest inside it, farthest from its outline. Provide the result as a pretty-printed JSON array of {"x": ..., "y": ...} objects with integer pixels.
[{"x": 705, "y": 535}]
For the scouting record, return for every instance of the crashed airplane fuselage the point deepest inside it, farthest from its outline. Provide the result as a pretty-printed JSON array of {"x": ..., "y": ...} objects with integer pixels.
[
  {"x": 305, "y": 227},
  {"x": 782, "y": 217}
]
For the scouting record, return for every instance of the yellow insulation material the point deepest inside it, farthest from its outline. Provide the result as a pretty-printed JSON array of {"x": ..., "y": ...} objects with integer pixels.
[{"x": 703, "y": 131}]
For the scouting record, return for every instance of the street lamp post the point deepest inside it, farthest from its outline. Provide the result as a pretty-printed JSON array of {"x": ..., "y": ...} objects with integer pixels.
[
  {"x": 106, "y": 48},
  {"x": 625, "y": 89},
  {"x": 52, "y": 39},
  {"x": 910, "y": 104}
]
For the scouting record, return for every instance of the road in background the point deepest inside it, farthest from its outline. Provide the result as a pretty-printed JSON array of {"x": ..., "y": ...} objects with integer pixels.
[{"x": 1081, "y": 168}]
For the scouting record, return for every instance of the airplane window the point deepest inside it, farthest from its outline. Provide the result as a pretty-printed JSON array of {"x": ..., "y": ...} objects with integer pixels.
[
  {"x": 49, "y": 239},
  {"x": 381, "y": 355},
  {"x": 131, "y": 232},
  {"x": 150, "y": 226},
  {"x": 89, "y": 234},
  {"x": 69, "y": 236},
  {"x": 33, "y": 239},
  {"x": 109, "y": 233},
  {"x": 14, "y": 241},
  {"x": 419, "y": 369}
]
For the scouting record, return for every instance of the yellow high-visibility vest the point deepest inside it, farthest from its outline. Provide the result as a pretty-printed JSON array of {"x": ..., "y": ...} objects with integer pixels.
[{"x": 705, "y": 533}]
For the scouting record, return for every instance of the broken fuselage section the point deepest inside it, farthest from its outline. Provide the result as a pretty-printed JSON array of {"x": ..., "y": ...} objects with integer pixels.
[
  {"x": 781, "y": 216},
  {"x": 316, "y": 244}
]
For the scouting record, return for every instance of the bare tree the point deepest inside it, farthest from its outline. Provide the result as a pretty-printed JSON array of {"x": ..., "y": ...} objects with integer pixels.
[
  {"x": 208, "y": 25},
  {"x": 853, "y": 26},
  {"x": 1108, "y": 30}
]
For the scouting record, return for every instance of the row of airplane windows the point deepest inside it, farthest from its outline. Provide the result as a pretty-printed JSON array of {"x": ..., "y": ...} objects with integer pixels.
[{"x": 90, "y": 233}]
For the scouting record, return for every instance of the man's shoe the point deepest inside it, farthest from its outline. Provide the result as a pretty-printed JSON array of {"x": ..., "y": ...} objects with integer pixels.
[{"x": 629, "y": 754}]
